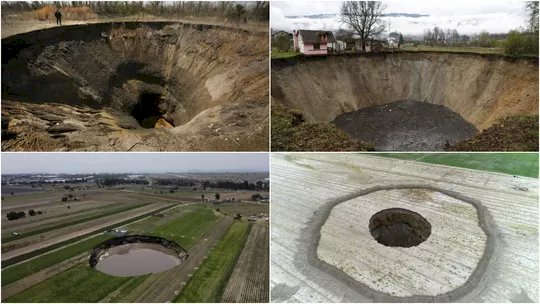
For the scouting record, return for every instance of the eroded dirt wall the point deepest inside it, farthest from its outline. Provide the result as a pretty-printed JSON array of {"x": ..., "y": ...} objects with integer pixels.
[{"x": 481, "y": 88}]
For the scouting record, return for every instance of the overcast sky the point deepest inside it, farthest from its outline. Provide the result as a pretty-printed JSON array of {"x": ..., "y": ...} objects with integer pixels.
[
  {"x": 133, "y": 162},
  {"x": 467, "y": 16}
]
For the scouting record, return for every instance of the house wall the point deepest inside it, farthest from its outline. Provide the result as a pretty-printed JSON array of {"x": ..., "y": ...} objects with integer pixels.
[{"x": 307, "y": 49}]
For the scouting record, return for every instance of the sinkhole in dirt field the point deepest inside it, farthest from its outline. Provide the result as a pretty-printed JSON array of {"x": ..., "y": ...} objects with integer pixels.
[
  {"x": 397, "y": 227},
  {"x": 136, "y": 255},
  {"x": 100, "y": 78},
  {"x": 408, "y": 101}
]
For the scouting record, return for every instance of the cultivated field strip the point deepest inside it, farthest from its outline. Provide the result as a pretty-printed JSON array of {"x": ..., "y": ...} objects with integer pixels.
[
  {"x": 302, "y": 183},
  {"x": 249, "y": 281},
  {"x": 164, "y": 286},
  {"x": 71, "y": 233}
]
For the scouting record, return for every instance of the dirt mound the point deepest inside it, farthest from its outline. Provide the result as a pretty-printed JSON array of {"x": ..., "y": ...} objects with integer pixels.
[
  {"x": 514, "y": 133},
  {"x": 406, "y": 125},
  {"x": 291, "y": 133},
  {"x": 480, "y": 88},
  {"x": 115, "y": 81}
]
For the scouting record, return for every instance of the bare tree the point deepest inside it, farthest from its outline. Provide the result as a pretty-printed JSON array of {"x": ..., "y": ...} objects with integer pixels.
[
  {"x": 364, "y": 17},
  {"x": 532, "y": 9}
]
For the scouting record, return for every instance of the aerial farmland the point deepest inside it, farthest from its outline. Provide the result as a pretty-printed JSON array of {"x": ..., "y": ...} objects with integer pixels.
[{"x": 137, "y": 237}]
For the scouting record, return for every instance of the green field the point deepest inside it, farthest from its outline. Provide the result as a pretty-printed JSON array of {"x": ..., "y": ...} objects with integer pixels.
[
  {"x": 208, "y": 283},
  {"x": 457, "y": 49},
  {"x": 278, "y": 55},
  {"x": 186, "y": 229},
  {"x": 24, "y": 269},
  {"x": 186, "y": 226},
  {"x": 77, "y": 284},
  {"x": 523, "y": 164},
  {"x": 10, "y": 238}
]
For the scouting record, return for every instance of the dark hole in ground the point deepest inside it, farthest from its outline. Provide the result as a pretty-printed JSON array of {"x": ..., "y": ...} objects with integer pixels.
[
  {"x": 406, "y": 125},
  {"x": 147, "y": 111},
  {"x": 396, "y": 227}
]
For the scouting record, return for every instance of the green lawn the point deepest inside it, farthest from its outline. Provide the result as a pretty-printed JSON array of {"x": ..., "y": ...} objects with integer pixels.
[
  {"x": 77, "y": 284},
  {"x": 278, "y": 55},
  {"x": 208, "y": 283},
  {"x": 24, "y": 269},
  {"x": 457, "y": 49},
  {"x": 523, "y": 164},
  {"x": 188, "y": 228}
]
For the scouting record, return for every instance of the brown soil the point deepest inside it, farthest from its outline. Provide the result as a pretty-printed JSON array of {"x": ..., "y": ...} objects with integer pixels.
[
  {"x": 79, "y": 87},
  {"x": 291, "y": 133},
  {"x": 514, "y": 133},
  {"x": 250, "y": 279},
  {"x": 406, "y": 125},
  {"x": 480, "y": 88},
  {"x": 398, "y": 227}
]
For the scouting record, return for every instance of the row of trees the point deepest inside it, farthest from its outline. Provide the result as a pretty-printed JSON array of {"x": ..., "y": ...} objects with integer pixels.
[
  {"x": 447, "y": 37},
  {"x": 245, "y": 185},
  {"x": 258, "y": 11},
  {"x": 13, "y": 215},
  {"x": 365, "y": 21}
]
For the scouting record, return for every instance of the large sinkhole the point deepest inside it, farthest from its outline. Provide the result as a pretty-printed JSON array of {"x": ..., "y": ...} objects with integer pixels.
[
  {"x": 398, "y": 227},
  {"x": 407, "y": 100},
  {"x": 137, "y": 75},
  {"x": 149, "y": 110},
  {"x": 136, "y": 255}
]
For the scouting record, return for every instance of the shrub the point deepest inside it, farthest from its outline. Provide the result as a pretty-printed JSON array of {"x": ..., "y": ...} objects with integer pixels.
[
  {"x": 64, "y": 198},
  {"x": 31, "y": 212},
  {"x": 520, "y": 44}
]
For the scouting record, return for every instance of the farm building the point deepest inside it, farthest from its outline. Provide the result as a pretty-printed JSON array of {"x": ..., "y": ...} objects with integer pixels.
[{"x": 313, "y": 42}]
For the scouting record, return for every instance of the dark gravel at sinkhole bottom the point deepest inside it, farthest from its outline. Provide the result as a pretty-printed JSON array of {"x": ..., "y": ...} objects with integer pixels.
[{"x": 406, "y": 125}]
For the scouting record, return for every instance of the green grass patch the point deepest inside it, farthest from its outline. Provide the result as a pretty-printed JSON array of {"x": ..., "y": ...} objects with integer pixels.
[
  {"x": 208, "y": 283},
  {"x": 187, "y": 229},
  {"x": 279, "y": 55},
  {"x": 27, "y": 268},
  {"x": 456, "y": 49},
  {"x": 523, "y": 164},
  {"x": 10, "y": 238},
  {"x": 34, "y": 253},
  {"x": 127, "y": 288},
  {"x": 78, "y": 284}
]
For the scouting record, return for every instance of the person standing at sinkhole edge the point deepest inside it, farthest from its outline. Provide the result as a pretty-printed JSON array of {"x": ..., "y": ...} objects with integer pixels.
[{"x": 58, "y": 16}]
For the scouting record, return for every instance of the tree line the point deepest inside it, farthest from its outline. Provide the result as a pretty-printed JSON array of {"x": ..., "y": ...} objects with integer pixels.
[{"x": 258, "y": 11}]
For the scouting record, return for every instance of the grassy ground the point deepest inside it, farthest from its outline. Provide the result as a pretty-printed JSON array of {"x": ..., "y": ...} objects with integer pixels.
[
  {"x": 291, "y": 133},
  {"x": 37, "y": 252},
  {"x": 278, "y": 54},
  {"x": 22, "y": 270},
  {"x": 185, "y": 225},
  {"x": 78, "y": 284},
  {"x": 513, "y": 133},
  {"x": 457, "y": 49},
  {"x": 523, "y": 164},
  {"x": 208, "y": 283},
  {"x": 10, "y": 238},
  {"x": 186, "y": 229}
]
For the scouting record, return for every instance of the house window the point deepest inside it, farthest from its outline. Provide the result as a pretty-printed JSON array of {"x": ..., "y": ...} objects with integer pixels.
[{"x": 317, "y": 46}]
